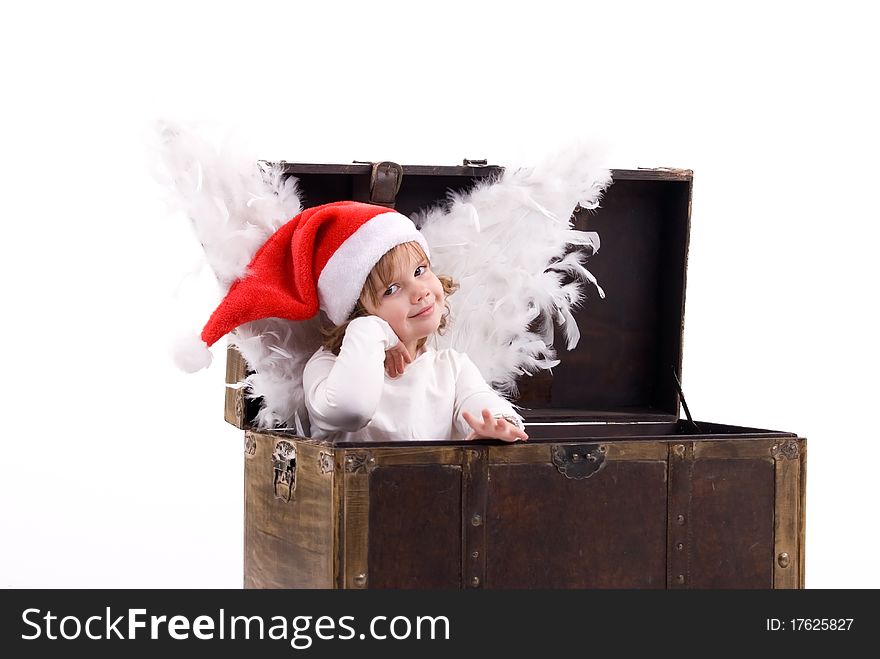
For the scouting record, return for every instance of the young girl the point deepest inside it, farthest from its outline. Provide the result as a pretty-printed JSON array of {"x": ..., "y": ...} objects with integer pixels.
[{"x": 377, "y": 377}]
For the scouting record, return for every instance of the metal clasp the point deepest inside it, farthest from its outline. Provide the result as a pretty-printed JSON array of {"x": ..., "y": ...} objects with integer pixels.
[
  {"x": 284, "y": 467},
  {"x": 578, "y": 461}
]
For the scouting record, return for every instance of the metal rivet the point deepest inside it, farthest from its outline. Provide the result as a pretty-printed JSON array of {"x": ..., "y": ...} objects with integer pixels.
[
  {"x": 360, "y": 580},
  {"x": 784, "y": 559},
  {"x": 476, "y": 554},
  {"x": 680, "y": 519},
  {"x": 679, "y": 546},
  {"x": 475, "y": 582},
  {"x": 476, "y": 520},
  {"x": 679, "y": 578}
]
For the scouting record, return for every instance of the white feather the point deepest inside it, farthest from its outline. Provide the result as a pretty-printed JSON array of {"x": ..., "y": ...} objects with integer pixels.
[
  {"x": 506, "y": 243},
  {"x": 277, "y": 350},
  {"x": 235, "y": 203}
]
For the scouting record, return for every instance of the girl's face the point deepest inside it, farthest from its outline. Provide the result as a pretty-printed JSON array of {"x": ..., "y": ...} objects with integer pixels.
[{"x": 412, "y": 302}]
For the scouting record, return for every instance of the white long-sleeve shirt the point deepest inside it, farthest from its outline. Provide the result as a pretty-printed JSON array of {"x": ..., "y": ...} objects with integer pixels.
[{"x": 351, "y": 398}]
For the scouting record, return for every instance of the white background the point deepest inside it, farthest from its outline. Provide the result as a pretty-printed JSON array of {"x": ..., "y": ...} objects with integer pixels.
[{"x": 116, "y": 470}]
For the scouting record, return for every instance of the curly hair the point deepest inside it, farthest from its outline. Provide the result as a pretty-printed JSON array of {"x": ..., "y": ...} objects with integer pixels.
[{"x": 384, "y": 271}]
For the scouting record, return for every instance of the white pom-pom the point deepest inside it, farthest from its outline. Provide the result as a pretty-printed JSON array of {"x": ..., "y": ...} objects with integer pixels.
[{"x": 191, "y": 354}]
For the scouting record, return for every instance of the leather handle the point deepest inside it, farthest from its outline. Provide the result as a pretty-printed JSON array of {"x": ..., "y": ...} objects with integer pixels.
[{"x": 385, "y": 183}]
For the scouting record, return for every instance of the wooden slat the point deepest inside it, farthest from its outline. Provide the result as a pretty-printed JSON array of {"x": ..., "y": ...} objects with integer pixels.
[
  {"x": 356, "y": 524},
  {"x": 802, "y": 519},
  {"x": 652, "y": 174},
  {"x": 236, "y": 371},
  {"x": 788, "y": 514},
  {"x": 364, "y": 169},
  {"x": 520, "y": 454},
  {"x": 475, "y": 489},
  {"x": 635, "y": 451},
  {"x": 541, "y": 453},
  {"x": 338, "y": 520},
  {"x": 739, "y": 449},
  {"x": 416, "y": 456},
  {"x": 679, "y": 509}
]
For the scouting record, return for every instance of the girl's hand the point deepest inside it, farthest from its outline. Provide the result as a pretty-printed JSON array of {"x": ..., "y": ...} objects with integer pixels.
[
  {"x": 396, "y": 359},
  {"x": 491, "y": 428}
]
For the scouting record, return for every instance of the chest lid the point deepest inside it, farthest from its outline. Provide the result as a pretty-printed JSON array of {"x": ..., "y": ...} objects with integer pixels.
[{"x": 628, "y": 361}]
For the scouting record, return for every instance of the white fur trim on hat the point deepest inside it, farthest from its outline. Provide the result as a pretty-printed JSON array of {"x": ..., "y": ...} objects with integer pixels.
[{"x": 342, "y": 279}]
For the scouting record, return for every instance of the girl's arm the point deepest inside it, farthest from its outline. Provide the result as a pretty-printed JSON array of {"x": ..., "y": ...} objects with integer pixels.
[
  {"x": 342, "y": 393},
  {"x": 473, "y": 395},
  {"x": 505, "y": 428}
]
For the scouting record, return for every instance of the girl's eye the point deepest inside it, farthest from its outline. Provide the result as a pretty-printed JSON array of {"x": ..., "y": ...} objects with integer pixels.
[
  {"x": 420, "y": 270},
  {"x": 391, "y": 290}
]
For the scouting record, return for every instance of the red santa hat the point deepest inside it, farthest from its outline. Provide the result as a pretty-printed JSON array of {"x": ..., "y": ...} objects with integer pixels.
[{"x": 318, "y": 260}]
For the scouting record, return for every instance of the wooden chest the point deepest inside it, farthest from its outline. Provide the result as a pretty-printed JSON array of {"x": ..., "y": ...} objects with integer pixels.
[{"x": 612, "y": 490}]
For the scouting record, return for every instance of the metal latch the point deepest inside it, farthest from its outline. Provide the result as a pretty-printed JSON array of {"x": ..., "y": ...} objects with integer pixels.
[
  {"x": 578, "y": 461},
  {"x": 284, "y": 468}
]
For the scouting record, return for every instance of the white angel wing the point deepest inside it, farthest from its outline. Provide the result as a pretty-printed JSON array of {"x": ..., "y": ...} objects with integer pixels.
[
  {"x": 235, "y": 203},
  {"x": 510, "y": 244}
]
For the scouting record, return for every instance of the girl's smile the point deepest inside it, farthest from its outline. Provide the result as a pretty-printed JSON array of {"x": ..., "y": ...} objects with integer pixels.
[{"x": 424, "y": 311}]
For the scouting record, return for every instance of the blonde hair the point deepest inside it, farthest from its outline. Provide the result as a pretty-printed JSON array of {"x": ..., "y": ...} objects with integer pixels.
[{"x": 393, "y": 261}]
